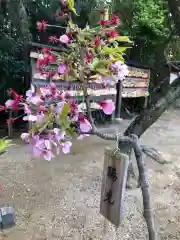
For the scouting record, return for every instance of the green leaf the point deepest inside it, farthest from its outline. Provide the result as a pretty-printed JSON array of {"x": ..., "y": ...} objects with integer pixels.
[
  {"x": 64, "y": 124},
  {"x": 112, "y": 51},
  {"x": 65, "y": 111},
  {"x": 102, "y": 71},
  {"x": 4, "y": 144},
  {"x": 96, "y": 64},
  {"x": 93, "y": 31},
  {"x": 118, "y": 58},
  {"x": 121, "y": 49},
  {"x": 108, "y": 50},
  {"x": 117, "y": 53},
  {"x": 70, "y": 131},
  {"x": 71, "y": 6},
  {"x": 120, "y": 39},
  {"x": 106, "y": 17}
]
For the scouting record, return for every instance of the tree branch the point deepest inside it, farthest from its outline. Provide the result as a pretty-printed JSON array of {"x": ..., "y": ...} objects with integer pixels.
[
  {"x": 129, "y": 141},
  {"x": 149, "y": 116},
  {"x": 144, "y": 187},
  {"x": 154, "y": 154}
]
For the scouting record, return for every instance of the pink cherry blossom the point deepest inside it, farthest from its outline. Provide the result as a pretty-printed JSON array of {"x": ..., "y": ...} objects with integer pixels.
[
  {"x": 32, "y": 97},
  {"x": 25, "y": 137},
  {"x": 62, "y": 68},
  {"x": 63, "y": 1},
  {"x": 52, "y": 86},
  {"x": 38, "y": 147},
  {"x": 26, "y": 109},
  {"x": 85, "y": 125},
  {"x": 45, "y": 92},
  {"x": 66, "y": 146},
  {"x": 37, "y": 152},
  {"x": 108, "y": 81},
  {"x": 9, "y": 103},
  {"x": 31, "y": 92},
  {"x": 117, "y": 64},
  {"x": 48, "y": 155},
  {"x": 107, "y": 106},
  {"x": 30, "y": 118},
  {"x": 59, "y": 107},
  {"x": 40, "y": 118},
  {"x": 48, "y": 144},
  {"x": 75, "y": 117},
  {"x": 64, "y": 39},
  {"x": 58, "y": 134},
  {"x": 36, "y": 100},
  {"x": 122, "y": 70},
  {"x": 56, "y": 131},
  {"x": 66, "y": 94}
]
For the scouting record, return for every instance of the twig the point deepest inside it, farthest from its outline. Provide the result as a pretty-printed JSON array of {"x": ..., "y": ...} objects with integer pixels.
[
  {"x": 56, "y": 26},
  {"x": 154, "y": 154},
  {"x": 106, "y": 136}
]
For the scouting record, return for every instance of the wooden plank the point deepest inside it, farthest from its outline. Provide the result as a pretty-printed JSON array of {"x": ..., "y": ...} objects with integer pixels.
[
  {"x": 34, "y": 55},
  {"x": 39, "y": 45},
  {"x": 113, "y": 210}
]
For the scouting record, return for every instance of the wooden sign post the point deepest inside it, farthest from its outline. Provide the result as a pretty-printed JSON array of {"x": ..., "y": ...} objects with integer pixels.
[{"x": 113, "y": 185}]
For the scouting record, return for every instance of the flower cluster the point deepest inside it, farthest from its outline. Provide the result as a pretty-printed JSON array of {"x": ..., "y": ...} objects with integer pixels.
[
  {"x": 56, "y": 118},
  {"x": 101, "y": 48},
  {"x": 54, "y": 114}
]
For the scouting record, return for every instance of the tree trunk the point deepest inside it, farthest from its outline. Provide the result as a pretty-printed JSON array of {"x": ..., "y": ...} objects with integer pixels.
[
  {"x": 174, "y": 7},
  {"x": 143, "y": 121}
]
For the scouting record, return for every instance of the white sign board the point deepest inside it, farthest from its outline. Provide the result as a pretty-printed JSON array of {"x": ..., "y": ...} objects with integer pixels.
[{"x": 173, "y": 76}]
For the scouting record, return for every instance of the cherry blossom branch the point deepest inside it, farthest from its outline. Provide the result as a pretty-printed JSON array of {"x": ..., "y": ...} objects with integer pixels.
[
  {"x": 85, "y": 85},
  {"x": 95, "y": 131}
]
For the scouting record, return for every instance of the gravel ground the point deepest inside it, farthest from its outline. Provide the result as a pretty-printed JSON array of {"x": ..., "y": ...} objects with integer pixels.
[{"x": 60, "y": 200}]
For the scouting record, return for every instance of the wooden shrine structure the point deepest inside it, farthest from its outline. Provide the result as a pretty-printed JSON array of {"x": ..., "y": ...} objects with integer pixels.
[
  {"x": 135, "y": 85},
  {"x": 95, "y": 89}
]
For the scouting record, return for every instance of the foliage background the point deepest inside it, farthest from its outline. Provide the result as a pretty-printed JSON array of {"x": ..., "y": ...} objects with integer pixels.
[{"x": 148, "y": 23}]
